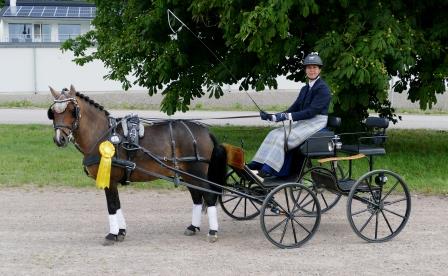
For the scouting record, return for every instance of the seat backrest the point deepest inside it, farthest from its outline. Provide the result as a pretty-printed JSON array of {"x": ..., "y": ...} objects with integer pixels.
[
  {"x": 378, "y": 127},
  {"x": 377, "y": 122},
  {"x": 333, "y": 122}
]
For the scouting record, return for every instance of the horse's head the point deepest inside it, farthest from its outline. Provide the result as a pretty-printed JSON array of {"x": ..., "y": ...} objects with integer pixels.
[{"x": 65, "y": 114}]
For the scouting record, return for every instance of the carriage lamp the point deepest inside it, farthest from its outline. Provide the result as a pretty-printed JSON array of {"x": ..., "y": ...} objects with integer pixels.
[
  {"x": 381, "y": 179},
  {"x": 334, "y": 142}
]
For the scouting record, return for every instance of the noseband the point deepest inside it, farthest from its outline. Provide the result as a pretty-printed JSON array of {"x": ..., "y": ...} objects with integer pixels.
[{"x": 60, "y": 107}]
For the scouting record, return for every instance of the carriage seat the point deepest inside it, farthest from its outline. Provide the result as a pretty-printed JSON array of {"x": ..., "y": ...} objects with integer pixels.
[
  {"x": 373, "y": 142},
  {"x": 317, "y": 144}
]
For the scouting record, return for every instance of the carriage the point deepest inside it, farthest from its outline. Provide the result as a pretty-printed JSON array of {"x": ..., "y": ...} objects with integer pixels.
[
  {"x": 184, "y": 152},
  {"x": 378, "y": 202}
]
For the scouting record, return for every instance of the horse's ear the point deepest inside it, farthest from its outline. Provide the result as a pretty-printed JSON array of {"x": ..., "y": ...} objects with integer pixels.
[
  {"x": 54, "y": 93},
  {"x": 72, "y": 90}
]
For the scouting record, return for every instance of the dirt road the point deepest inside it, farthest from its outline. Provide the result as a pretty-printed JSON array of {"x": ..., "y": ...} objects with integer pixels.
[{"x": 58, "y": 231}]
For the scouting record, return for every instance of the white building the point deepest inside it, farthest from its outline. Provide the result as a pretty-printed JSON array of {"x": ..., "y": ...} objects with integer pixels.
[{"x": 31, "y": 33}]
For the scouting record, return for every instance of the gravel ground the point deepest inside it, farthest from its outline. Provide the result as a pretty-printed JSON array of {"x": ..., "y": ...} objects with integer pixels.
[{"x": 58, "y": 231}]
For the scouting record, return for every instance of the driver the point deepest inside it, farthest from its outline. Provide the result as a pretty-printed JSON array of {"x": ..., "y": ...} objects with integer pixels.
[{"x": 308, "y": 115}]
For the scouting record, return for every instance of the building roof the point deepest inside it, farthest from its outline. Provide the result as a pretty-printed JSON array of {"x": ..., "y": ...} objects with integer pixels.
[
  {"x": 49, "y": 12},
  {"x": 51, "y": 3}
]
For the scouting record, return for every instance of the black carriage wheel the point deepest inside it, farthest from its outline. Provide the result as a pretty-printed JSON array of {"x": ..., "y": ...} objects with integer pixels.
[
  {"x": 378, "y": 206},
  {"x": 326, "y": 197},
  {"x": 282, "y": 219},
  {"x": 235, "y": 206}
]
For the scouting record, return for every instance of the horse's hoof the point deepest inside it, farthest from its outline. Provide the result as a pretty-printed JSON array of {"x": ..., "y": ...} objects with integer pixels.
[
  {"x": 188, "y": 232},
  {"x": 191, "y": 230},
  {"x": 121, "y": 235},
  {"x": 212, "y": 236},
  {"x": 110, "y": 239}
]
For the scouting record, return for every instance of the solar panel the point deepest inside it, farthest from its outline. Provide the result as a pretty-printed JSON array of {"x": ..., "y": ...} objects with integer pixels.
[
  {"x": 37, "y": 11},
  {"x": 61, "y": 12},
  {"x": 24, "y": 11},
  {"x": 50, "y": 11},
  {"x": 73, "y": 12}
]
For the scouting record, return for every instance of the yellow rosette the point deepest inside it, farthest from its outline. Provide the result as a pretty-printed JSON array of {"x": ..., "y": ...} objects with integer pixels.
[{"x": 107, "y": 150}]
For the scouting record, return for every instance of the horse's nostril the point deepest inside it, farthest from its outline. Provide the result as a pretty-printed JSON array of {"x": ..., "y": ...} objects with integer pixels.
[{"x": 60, "y": 140}]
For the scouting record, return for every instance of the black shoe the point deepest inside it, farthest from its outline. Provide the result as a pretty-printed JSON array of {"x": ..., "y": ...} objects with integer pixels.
[{"x": 264, "y": 174}]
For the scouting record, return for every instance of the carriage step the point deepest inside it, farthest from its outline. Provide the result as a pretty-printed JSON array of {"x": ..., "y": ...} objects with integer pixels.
[
  {"x": 347, "y": 184},
  {"x": 276, "y": 181}
]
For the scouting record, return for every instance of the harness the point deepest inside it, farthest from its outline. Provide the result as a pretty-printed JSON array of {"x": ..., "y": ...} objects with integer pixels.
[{"x": 132, "y": 131}]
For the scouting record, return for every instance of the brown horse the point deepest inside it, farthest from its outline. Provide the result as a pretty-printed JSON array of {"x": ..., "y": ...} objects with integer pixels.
[{"x": 175, "y": 149}]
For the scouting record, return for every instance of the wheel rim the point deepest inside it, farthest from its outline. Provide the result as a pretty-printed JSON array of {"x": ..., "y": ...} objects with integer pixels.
[
  {"x": 283, "y": 221},
  {"x": 327, "y": 199},
  {"x": 379, "y": 206},
  {"x": 235, "y": 206}
]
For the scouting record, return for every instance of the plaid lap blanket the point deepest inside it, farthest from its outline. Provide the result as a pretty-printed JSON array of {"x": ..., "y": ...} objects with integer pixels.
[{"x": 272, "y": 150}]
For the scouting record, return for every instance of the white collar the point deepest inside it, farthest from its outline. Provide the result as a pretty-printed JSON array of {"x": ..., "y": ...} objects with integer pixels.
[{"x": 311, "y": 83}]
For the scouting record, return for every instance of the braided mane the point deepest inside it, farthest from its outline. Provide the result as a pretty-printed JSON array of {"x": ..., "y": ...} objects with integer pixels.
[{"x": 92, "y": 102}]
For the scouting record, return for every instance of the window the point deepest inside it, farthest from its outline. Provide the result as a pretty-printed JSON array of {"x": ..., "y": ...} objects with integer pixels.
[
  {"x": 68, "y": 31},
  {"x": 42, "y": 33},
  {"x": 19, "y": 32}
]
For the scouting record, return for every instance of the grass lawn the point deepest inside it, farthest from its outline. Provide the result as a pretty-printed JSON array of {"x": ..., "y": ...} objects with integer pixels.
[{"x": 29, "y": 156}]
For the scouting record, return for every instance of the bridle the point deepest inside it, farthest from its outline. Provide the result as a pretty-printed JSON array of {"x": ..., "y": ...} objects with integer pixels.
[{"x": 61, "y": 107}]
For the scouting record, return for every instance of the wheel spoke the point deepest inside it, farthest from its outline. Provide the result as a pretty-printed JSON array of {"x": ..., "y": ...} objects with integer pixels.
[
  {"x": 387, "y": 222},
  {"x": 303, "y": 200},
  {"x": 253, "y": 204},
  {"x": 237, "y": 204},
  {"x": 364, "y": 200},
  {"x": 296, "y": 206},
  {"x": 395, "y": 201},
  {"x": 284, "y": 231},
  {"x": 323, "y": 198},
  {"x": 365, "y": 224},
  {"x": 360, "y": 212},
  {"x": 390, "y": 191},
  {"x": 294, "y": 231},
  {"x": 303, "y": 227},
  {"x": 371, "y": 191},
  {"x": 287, "y": 198},
  {"x": 245, "y": 206},
  {"x": 277, "y": 225},
  {"x": 392, "y": 212},
  {"x": 232, "y": 198},
  {"x": 376, "y": 225}
]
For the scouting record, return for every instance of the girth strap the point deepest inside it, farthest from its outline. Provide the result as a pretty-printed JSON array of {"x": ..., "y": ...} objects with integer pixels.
[
  {"x": 195, "y": 144},
  {"x": 173, "y": 150},
  {"x": 95, "y": 160}
]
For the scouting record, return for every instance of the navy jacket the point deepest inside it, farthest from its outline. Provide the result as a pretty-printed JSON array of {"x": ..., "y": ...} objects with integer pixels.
[{"x": 312, "y": 102}]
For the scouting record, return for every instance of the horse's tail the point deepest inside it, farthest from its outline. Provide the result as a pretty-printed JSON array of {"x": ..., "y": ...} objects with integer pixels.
[{"x": 217, "y": 169}]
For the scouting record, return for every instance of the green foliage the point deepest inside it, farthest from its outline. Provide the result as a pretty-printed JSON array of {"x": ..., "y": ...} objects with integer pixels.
[{"x": 363, "y": 44}]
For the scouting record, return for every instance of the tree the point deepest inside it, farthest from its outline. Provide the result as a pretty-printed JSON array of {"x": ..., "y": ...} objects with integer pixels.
[{"x": 363, "y": 44}]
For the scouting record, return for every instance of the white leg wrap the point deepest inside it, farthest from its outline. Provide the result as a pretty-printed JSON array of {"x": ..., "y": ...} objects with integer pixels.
[
  {"x": 113, "y": 224},
  {"x": 212, "y": 218},
  {"x": 196, "y": 215},
  {"x": 120, "y": 219}
]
